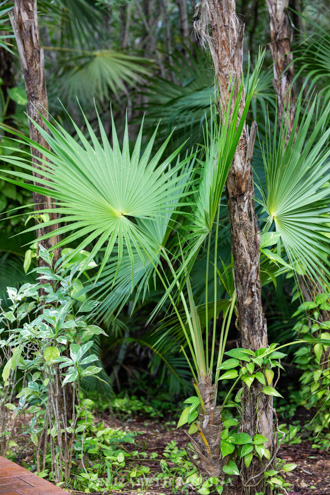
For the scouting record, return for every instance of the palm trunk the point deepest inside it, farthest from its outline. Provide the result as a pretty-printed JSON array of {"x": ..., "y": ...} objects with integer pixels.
[
  {"x": 25, "y": 26},
  {"x": 227, "y": 54},
  {"x": 281, "y": 34},
  {"x": 207, "y": 445},
  {"x": 184, "y": 24}
]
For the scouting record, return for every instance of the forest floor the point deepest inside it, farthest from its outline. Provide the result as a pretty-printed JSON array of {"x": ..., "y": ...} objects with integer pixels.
[{"x": 311, "y": 476}]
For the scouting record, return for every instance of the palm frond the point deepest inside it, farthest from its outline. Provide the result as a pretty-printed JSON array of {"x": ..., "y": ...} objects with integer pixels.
[
  {"x": 296, "y": 196},
  {"x": 5, "y": 8},
  {"x": 104, "y": 192},
  {"x": 78, "y": 20},
  {"x": 99, "y": 74},
  {"x": 312, "y": 60},
  {"x": 185, "y": 105}
]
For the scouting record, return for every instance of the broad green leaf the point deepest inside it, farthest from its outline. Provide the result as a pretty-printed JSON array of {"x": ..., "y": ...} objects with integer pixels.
[
  {"x": 193, "y": 401},
  {"x": 27, "y": 260},
  {"x": 193, "y": 429},
  {"x": 95, "y": 330},
  {"x": 248, "y": 459},
  {"x": 76, "y": 288},
  {"x": 12, "y": 363},
  {"x": 231, "y": 469},
  {"x": 250, "y": 367},
  {"x": 261, "y": 378},
  {"x": 227, "y": 448},
  {"x": 34, "y": 438},
  {"x": 276, "y": 481},
  {"x": 318, "y": 349},
  {"x": 6, "y": 371},
  {"x": 70, "y": 377},
  {"x": 322, "y": 298},
  {"x": 240, "y": 354},
  {"x": 271, "y": 391},
  {"x": 242, "y": 438},
  {"x": 259, "y": 439},
  {"x": 277, "y": 355},
  {"x": 267, "y": 454},
  {"x": 229, "y": 364},
  {"x": 91, "y": 371},
  {"x": 193, "y": 415},
  {"x": 203, "y": 491},
  {"x": 18, "y": 95},
  {"x": 246, "y": 449},
  {"x": 89, "y": 359},
  {"x": 260, "y": 450},
  {"x": 51, "y": 353},
  {"x": 230, "y": 422},
  {"x": 289, "y": 467},
  {"x": 248, "y": 380},
  {"x": 184, "y": 417},
  {"x": 230, "y": 374},
  {"x": 269, "y": 375}
]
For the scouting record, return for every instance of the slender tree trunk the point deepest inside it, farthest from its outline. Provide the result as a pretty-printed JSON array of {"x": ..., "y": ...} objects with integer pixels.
[
  {"x": 184, "y": 24},
  {"x": 25, "y": 26},
  {"x": 227, "y": 53},
  {"x": 153, "y": 42},
  {"x": 206, "y": 442},
  {"x": 168, "y": 39},
  {"x": 255, "y": 15},
  {"x": 281, "y": 34},
  {"x": 125, "y": 20}
]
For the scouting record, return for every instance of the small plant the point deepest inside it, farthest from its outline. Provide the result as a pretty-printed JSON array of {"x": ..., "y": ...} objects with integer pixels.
[
  {"x": 46, "y": 353},
  {"x": 314, "y": 359}
]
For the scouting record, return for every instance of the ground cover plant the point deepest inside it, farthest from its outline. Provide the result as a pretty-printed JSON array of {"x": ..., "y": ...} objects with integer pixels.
[{"x": 164, "y": 269}]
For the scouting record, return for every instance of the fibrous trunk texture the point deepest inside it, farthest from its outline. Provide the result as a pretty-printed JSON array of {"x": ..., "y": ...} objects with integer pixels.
[
  {"x": 227, "y": 52},
  {"x": 207, "y": 445},
  {"x": 281, "y": 34},
  {"x": 25, "y": 26}
]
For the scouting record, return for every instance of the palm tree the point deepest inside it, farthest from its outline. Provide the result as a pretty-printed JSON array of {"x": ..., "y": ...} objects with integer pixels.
[
  {"x": 130, "y": 205},
  {"x": 145, "y": 215}
]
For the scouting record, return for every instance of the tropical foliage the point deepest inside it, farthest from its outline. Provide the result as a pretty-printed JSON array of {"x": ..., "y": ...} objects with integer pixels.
[{"x": 140, "y": 311}]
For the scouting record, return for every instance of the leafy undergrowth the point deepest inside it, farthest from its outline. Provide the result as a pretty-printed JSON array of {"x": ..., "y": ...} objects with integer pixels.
[{"x": 150, "y": 456}]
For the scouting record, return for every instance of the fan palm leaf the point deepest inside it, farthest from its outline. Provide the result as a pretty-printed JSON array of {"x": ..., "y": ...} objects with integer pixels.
[
  {"x": 77, "y": 19},
  {"x": 188, "y": 103},
  {"x": 98, "y": 74},
  {"x": 296, "y": 195},
  {"x": 312, "y": 60},
  {"x": 104, "y": 193}
]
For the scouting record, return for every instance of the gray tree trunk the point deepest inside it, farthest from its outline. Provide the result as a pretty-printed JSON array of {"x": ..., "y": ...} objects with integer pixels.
[
  {"x": 25, "y": 26},
  {"x": 281, "y": 34},
  {"x": 184, "y": 24},
  {"x": 227, "y": 52}
]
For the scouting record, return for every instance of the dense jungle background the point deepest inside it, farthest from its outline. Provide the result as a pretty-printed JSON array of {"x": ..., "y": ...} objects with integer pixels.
[{"x": 158, "y": 335}]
